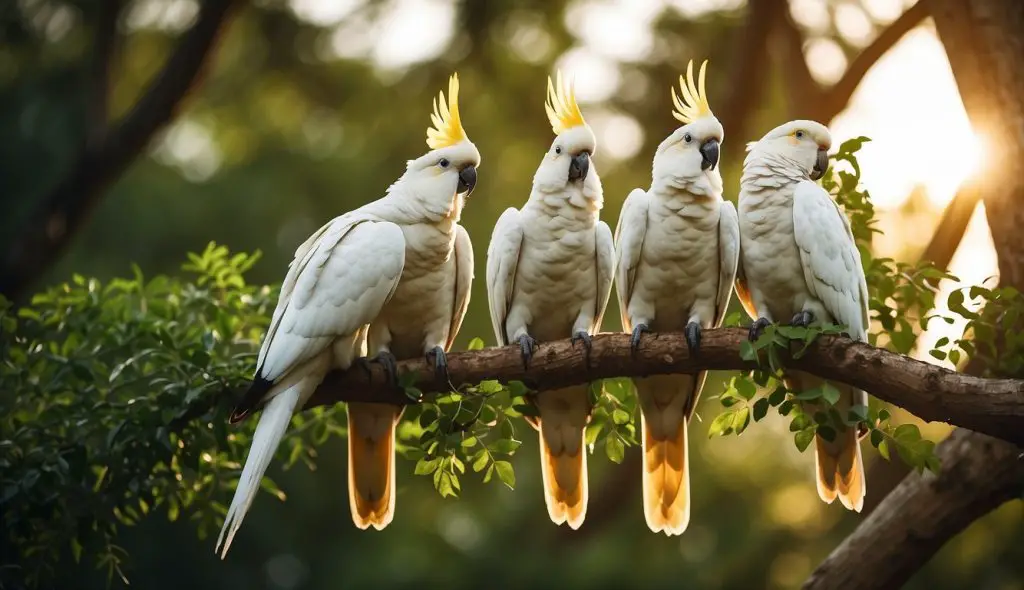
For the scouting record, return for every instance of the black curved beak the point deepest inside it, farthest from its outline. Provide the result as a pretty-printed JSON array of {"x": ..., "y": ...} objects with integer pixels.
[
  {"x": 820, "y": 165},
  {"x": 710, "y": 152},
  {"x": 467, "y": 179},
  {"x": 579, "y": 166}
]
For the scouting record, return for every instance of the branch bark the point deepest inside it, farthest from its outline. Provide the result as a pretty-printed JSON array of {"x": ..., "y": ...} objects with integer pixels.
[
  {"x": 992, "y": 406},
  {"x": 61, "y": 212},
  {"x": 979, "y": 473}
]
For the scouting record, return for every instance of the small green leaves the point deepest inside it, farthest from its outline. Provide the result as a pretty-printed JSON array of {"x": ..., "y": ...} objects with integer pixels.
[
  {"x": 506, "y": 474},
  {"x": 803, "y": 439}
]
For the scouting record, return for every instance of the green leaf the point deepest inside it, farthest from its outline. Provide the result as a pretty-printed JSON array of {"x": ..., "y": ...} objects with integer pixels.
[
  {"x": 489, "y": 473},
  {"x": 614, "y": 448},
  {"x": 829, "y": 393},
  {"x": 760, "y": 409},
  {"x": 475, "y": 344},
  {"x": 504, "y": 446},
  {"x": 505, "y": 473},
  {"x": 721, "y": 425},
  {"x": 481, "y": 460},
  {"x": 746, "y": 388},
  {"x": 741, "y": 420},
  {"x": 747, "y": 351},
  {"x": 907, "y": 433},
  {"x": 877, "y": 437},
  {"x": 469, "y": 442},
  {"x": 809, "y": 394},
  {"x": 778, "y": 396},
  {"x": 883, "y": 415},
  {"x": 826, "y": 432},
  {"x": 427, "y": 466},
  {"x": 786, "y": 407},
  {"x": 803, "y": 439},
  {"x": 620, "y": 417},
  {"x": 883, "y": 449}
]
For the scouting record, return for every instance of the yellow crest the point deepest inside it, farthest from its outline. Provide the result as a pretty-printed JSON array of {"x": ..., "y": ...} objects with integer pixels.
[
  {"x": 447, "y": 129},
  {"x": 694, "y": 104},
  {"x": 561, "y": 107}
]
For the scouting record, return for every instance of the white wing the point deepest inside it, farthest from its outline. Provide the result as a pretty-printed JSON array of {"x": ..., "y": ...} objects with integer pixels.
[
  {"x": 629, "y": 242},
  {"x": 605, "y": 260},
  {"x": 342, "y": 280},
  {"x": 463, "y": 281},
  {"x": 728, "y": 258},
  {"x": 502, "y": 260},
  {"x": 831, "y": 261}
]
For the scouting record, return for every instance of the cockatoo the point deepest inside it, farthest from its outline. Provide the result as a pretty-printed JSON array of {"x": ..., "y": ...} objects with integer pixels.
[
  {"x": 549, "y": 276},
  {"x": 677, "y": 247},
  {"x": 799, "y": 263},
  {"x": 393, "y": 275}
]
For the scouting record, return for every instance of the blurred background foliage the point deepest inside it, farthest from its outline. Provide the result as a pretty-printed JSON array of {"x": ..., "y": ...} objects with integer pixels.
[{"x": 309, "y": 108}]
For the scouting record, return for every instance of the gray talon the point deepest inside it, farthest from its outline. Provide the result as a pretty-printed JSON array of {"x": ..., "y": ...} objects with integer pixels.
[
  {"x": 584, "y": 337},
  {"x": 757, "y": 327},
  {"x": 693, "y": 338},
  {"x": 527, "y": 344},
  {"x": 634, "y": 342},
  {"x": 440, "y": 360},
  {"x": 802, "y": 319}
]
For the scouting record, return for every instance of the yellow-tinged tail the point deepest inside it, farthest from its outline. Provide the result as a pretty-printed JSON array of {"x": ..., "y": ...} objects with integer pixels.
[
  {"x": 565, "y": 481},
  {"x": 371, "y": 463},
  {"x": 666, "y": 480},
  {"x": 840, "y": 470}
]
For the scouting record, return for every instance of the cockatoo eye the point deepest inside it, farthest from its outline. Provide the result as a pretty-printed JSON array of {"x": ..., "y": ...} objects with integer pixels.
[
  {"x": 558, "y": 149},
  {"x": 444, "y": 163},
  {"x": 687, "y": 138},
  {"x": 799, "y": 134}
]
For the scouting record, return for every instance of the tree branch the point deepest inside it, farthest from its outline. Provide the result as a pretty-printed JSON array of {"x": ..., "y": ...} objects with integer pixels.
[
  {"x": 992, "y": 406},
  {"x": 838, "y": 95},
  {"x": 104, "y": 48},
  {"x": 61, "y": 212},
  {"x": 979, "y": 473},
  {"x": 809, "y": 99}
]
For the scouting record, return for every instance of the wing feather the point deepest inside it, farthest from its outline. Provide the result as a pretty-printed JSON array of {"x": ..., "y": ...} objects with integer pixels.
[
  {"x": 629, "y": 242},
  {"x": 341, "y": 283},
  {"x": 502, "y": 261},
  {"x": 831, "y": 261},
  {"x": 728, "y": 258},
  {"x": 463, "y": 282},
  {"x": 605, "y": 262}
]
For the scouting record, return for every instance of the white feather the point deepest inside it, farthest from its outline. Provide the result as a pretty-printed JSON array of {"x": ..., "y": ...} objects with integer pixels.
[{"x": 502, "y": 261}]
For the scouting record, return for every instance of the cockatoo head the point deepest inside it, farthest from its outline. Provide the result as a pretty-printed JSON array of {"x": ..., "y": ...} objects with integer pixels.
[
  {"x": 567, "y": 161},
  {"x": 805, "y": 143},
  {"x": 688, "y": 159},
  {"x": 447, "y": 173}
]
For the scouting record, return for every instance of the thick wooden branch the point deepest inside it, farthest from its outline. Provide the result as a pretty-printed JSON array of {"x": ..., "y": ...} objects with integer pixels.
[
  {"x": 838, "y": 95},
  {"x": 979, "y": 473},
  {"x": 992, "y": 406},
  {"x": 62, "y": 211}
]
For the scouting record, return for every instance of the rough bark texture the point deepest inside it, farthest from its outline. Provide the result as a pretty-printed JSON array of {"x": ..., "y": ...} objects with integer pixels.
[
  {"x": 108, "y": 151},
  {"x": 979, "y": 473},
  {"x": 993, "y": 406}
]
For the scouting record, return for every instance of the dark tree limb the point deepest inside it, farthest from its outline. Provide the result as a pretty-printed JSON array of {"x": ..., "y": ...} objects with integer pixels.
[
  {"x": 979, "y": 473},
  {"x": 809, "y": 100},
  {"x": 61, "y": 212},
  {"x": 992, "y": 406},
  {"x": 104, "y": 49}
]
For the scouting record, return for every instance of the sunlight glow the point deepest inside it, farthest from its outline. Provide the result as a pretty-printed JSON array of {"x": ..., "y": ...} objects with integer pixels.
[
  {"x": 909, "y": 106},
  {"x": 811, "y": 14},
  {"x": 618, "y": 29},
  {"x": 414, "y": 31},
  {"x": 596, "y": 77},
  {"x": 324, "y": 12}
]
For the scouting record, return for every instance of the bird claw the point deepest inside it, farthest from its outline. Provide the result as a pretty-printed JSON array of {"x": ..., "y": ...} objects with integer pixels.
[
  {"x": 693, "y": 333},
  {"x": 527, "y": 344},
  {"x": 440, "y": 360},
  {"x": 802, "y": 319},
  {"x": 634, "y": 342},
  {"x": 583, "y": 336},
  {"x": 384, "y": 359},
  {"x": 757, "y": 328}
]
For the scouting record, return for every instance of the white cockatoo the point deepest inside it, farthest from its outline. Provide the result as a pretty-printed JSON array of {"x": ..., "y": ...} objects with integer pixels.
[
  {"x": 393, "y": 275},
  {"x": 549, "y": 276},
  {"x": 799, "y": 264},
  {"x": 677, "y": 247}
]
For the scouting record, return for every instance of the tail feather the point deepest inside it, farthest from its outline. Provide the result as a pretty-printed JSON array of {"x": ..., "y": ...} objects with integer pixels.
[
  {"x": 840, "y": 470},
  {"x": 565, "y": 483},
  {"x": 273, "y": 423},
  {"x": 666, "y": 480},
  {"x": 371, "y": 463}
]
